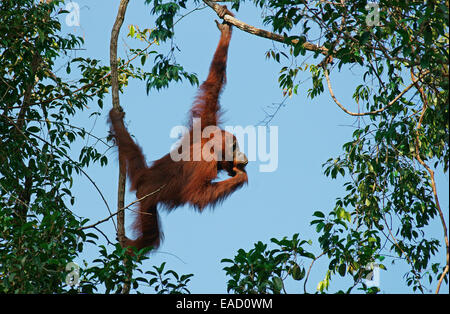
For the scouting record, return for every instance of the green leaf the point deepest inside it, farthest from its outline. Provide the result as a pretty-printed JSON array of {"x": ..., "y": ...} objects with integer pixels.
[
  {"x": 320, "y": 226},
  {"x": 297, "y": 272},
  {"x": 33, "y": 129},
  {"x": 319, "y": 214},
  {"x": 342, "y": 269},
  {"x": 277, "y": 284},
  {"x": 226, "y": 260}
]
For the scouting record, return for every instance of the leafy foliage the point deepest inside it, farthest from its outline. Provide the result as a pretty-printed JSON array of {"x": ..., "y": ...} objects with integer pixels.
[
  {"x": 162, "y": 281},
  {"x": 401, "y": 130},
  {"x": 263, "y": 271},
  {"x": 111, "y": 272},
  {"x": 39, "y": 233},
  {"x": 400, "y": 140}
]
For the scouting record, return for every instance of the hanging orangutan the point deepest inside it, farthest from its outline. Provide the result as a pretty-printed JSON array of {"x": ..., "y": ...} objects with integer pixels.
[{"x": 172, "y": 183}]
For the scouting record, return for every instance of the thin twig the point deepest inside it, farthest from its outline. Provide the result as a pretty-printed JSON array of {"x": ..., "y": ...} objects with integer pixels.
[
  {"x": 309, "y": 270},
  {"x": 89, "y": 85},
  {"x": 81, "y": 170},
  {"x": 103, "y": 234},
  {"x": 190, "y": 12},
  {"x": 65, "y": 155},
  {"x": 403, "y": 252},
  {"x": 122, "y": 209},
  {"x": 71, "y": 126},
  {"x": 358, "y": 114}
]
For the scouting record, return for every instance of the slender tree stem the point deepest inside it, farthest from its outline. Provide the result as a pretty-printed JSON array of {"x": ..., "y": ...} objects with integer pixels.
[
  {"x": 358, "y": 114},
  {"x": 309, "y": 270},
  {"x": 116, "y": 104},
  {"x": 431, "y": 173}
]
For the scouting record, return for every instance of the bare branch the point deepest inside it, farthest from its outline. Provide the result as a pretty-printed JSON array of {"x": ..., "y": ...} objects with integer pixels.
[
  {"x": 261, "y": 32},
  {"x": 116, "y": 104},
  {"x": 122, "y": 209},
  {"x": 442, "y": 278},
  {"x": 358, "y": 114},
  {"x": 430, "y": 172},
  {"x": 309, "y": 269}
]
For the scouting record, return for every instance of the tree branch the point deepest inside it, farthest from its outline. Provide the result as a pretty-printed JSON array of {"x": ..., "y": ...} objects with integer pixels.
[
  {"x": 122, "y": 209},
  {"x": 431, "y": 173},
  {"x": 263, "y": 33},
  {"x": 62, "y": 153},
  {"x": 116, "y": 104},
  {"x": 309, "y": 270},
  {"x": 358, "y": 114}
]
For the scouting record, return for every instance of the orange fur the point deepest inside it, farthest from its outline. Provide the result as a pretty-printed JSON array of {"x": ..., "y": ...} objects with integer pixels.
[{"x": 179, "y": 182}]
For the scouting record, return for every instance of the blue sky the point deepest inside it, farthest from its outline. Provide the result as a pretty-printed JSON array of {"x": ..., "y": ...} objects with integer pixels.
[{"x": 274, "y": 204}]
